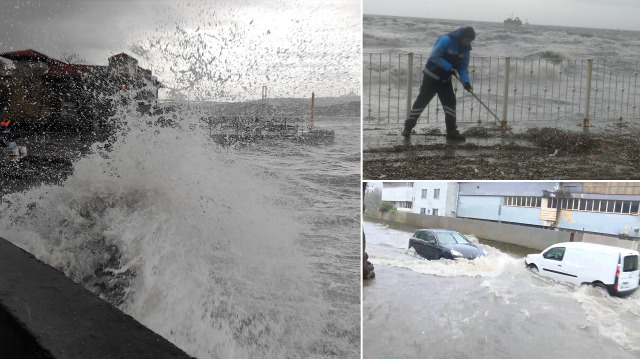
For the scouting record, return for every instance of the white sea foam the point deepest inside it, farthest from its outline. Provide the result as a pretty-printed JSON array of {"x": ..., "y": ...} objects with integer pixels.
[{"x": 211, "y": 247}]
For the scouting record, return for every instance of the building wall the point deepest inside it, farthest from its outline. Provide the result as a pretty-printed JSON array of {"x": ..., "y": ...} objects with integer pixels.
[
  {"x": 506, "y": 188},
  {"x": 401, "y": 192},
  {"x": 613, "y": 188},
  {"x": 430, "y": 203},
  {"x": 394, "y": 192},
  {"x": 28, "y": 95},
  {"x": 484, "y": 201},
  {"x": 31, "y": 95},
  {"x": 480, "y": 207},
  {"x": 608, "y": 223},
  {"x": 451, "y": 206}
]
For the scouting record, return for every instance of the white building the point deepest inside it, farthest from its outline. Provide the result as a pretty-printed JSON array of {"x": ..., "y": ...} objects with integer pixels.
[{"x": 430, "y": 198}]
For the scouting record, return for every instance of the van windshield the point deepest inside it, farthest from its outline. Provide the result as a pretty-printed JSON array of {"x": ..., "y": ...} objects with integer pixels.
[
  {"x": 451, "y": 238},
  {"x": 630, "y": 264}
]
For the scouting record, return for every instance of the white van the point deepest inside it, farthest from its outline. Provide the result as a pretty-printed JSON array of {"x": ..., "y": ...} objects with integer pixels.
[{"x": 613, "y": 268}]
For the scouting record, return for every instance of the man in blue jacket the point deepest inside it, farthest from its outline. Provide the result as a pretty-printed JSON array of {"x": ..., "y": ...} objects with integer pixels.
[{"x": 450, "y": 53}]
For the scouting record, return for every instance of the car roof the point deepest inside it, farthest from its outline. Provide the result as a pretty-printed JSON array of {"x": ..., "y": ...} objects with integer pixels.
[
  {"x": 438, "y": 230},
  {"x": 597, "y": 247}
]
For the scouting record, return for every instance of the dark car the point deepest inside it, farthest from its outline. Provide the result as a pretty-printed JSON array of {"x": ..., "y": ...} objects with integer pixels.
[{"x": 443, "y": 243}]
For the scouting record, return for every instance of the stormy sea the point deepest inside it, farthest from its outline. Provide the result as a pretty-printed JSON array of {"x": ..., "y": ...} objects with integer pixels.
[
  {"x": 547, "y": 78},
  {"x": 238, "y": 251},
  {"x": 390, "y": 34}
]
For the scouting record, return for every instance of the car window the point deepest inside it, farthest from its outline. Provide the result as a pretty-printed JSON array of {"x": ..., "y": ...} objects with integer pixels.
[
  {"x": 556, "y": 253},
  {"x": 431, "y": 237},
  {"x": 446, "y": 238},
  {"x": 630, "y": 264},
  {"x": 460, "y": 238},
  {"x": 451, "y": 238}
]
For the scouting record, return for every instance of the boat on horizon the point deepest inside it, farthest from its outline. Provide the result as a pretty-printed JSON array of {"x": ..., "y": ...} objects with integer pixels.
[{"x": 513, "y": 21}]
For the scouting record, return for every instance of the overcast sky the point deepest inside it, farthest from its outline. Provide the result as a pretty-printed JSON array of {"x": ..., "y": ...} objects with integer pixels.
[
  {"x": 607, "y": 14},
  {"x": 215, "y": 49}
]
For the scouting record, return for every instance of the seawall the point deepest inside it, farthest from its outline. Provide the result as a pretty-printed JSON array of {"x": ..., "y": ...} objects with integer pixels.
[{"x": 44, "y": 314}]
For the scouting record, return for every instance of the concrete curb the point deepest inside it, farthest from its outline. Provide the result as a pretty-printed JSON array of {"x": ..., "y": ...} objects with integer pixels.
[{"x": 43, "y": 314}]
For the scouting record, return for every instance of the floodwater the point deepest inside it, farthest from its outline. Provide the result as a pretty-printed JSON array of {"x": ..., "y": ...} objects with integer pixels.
[{"x": 487, "y": 308}]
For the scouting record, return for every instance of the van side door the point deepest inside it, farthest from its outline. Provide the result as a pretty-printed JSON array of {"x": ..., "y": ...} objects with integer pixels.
[{"x": 553, "y": 265}]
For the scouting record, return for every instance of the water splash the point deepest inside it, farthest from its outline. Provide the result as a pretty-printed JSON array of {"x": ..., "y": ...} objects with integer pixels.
[{"x": 183, "y": 236}]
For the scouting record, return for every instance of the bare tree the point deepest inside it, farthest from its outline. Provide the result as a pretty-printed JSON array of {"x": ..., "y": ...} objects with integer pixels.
[
  {"x": 372, "y": 198},
  {"x": 72, "y": 58}
]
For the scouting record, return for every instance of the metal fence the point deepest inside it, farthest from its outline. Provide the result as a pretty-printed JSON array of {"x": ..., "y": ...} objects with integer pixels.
[{"x": 514, "y": 89}]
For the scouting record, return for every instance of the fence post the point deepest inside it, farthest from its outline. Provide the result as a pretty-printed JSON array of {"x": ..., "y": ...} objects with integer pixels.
[
  {"x": 505, "y": 103},
  {"x": 585, "y": 122},
  {"x": 409, "y": 82}
]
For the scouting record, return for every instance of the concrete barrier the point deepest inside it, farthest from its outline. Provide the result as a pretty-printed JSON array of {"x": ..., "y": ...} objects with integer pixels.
[
  {"x": 530, "y": 237},
  {"x": 610, "y": 241},
  {"x": 43, "y": 314}
]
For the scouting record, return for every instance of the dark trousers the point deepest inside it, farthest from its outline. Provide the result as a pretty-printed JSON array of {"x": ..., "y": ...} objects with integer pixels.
[{"x": 430, "y": 88}]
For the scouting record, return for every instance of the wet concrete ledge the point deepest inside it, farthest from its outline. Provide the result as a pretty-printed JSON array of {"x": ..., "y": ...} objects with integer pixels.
[{"x": 43, "y": 314}]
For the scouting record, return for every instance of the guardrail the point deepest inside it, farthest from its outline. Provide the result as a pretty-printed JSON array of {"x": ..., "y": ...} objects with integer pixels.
[{"x": 515, "y": 89}]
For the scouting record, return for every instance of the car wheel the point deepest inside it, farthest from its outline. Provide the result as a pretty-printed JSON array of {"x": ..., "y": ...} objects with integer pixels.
[
  {"x": 533, "y": 268},
  {"x": 600, "y": 286}
]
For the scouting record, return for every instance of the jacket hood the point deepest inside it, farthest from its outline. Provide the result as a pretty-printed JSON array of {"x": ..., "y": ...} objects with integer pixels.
[{"x": 457, "y": 35}]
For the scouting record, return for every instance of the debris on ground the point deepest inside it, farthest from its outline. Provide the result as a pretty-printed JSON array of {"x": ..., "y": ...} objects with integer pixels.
[
  {"x": 534, "y": 154},
  {"x": 570, "y": 142}
]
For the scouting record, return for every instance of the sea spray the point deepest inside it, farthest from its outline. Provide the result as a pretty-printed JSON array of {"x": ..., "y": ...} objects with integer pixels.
[{"x": 206, "y": 256}]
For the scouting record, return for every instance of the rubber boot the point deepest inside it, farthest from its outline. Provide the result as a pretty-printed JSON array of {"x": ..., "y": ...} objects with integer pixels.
[
  {"x": 408, "y": 126},
  {"x": 452, "y": 131},
  {"x": 406, "y": 133}
]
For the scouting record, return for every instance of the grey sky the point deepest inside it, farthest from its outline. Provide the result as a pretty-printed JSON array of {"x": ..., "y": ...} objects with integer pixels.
[
  {"x": 216, "y": 50},
  {"x": 610, "y": 14}
]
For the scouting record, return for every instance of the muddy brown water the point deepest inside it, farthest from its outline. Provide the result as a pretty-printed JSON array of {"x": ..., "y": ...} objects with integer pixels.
[{"x": 491, "y": 307}]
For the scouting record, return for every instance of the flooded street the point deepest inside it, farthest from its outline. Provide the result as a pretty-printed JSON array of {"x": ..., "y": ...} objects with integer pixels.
[{"x": 491, "y": 307}]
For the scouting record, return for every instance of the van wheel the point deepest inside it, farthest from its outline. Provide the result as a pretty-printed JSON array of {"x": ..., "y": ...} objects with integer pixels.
[
  {"x": 600, "y": 286},
  {"x": 533, "y": 268}
]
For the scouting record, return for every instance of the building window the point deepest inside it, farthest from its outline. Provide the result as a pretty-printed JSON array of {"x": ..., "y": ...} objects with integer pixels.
[
  {"x": 434, "y": 211},
  {"x": 423, "y": 211},
  {"x": 436, "y": 193},
  {"x": 424, "y": 193},
  {"x": 523, "y": 201},
  {"x": 598, "y": 205},
  {"x": 404, "y": 204}
]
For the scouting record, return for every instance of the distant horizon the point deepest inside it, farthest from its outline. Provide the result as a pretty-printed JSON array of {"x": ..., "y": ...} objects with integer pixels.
[
  {"x": 501, "y": 23},
  {"x": 588, "y": 14}
]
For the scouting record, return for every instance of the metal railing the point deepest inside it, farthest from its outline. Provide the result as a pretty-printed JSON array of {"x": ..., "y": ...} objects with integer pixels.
[{"x": 515, "y": 89}]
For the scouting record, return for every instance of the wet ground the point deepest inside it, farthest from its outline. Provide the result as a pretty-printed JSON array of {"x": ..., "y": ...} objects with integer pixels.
[
  {"x": 542, "y": 150},
  {"x": 490, "y": 307},
  {"x": 48, "y": 158}
]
